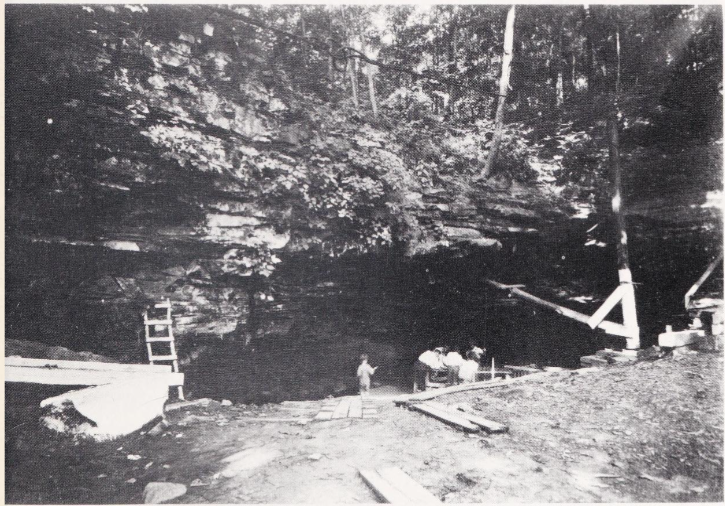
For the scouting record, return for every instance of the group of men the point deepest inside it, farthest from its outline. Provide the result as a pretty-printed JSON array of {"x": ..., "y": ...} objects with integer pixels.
[{"x": 441, "y": 359}]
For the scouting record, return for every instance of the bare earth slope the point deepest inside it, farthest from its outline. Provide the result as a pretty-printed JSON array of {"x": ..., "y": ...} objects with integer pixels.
[{"x": 648, "y": 432}]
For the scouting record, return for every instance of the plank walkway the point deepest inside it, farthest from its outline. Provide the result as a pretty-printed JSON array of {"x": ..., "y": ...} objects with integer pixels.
[{"x": 347, "y": 407}]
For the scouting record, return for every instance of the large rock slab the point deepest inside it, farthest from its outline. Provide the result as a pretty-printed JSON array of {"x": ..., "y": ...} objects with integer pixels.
[{"x": 115, "y": 409}]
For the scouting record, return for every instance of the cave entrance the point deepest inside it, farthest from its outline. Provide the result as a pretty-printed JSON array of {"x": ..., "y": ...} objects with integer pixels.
[{"x": 325, "y": 314}]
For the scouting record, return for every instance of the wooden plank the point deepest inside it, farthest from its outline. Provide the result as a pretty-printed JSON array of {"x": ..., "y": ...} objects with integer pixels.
[
  {"x": 383, "y": 489},
  {"x": 298, "y": 419},
  {"x": 681, "y": 338},
  {"x": 479, "y": 385},
  {"x": 324, "y": 415},
  {"x": 606, "y": 307},
  {"x": 187, "y": 404},
  {"x": 79, "y": 365},
  {"x": 356, "y": 408},
  {"x": 713, "y": 265},
  {"x": 164, "y": 323},
  {"x": 46, "y": 376},
  {"x": 163, "y": 357},
  {"x": 488, "y": 425},
  {"x": 342, "y": 409},
  {"x": 446, "y": 416},
  {"x": 411, "y": 488}
]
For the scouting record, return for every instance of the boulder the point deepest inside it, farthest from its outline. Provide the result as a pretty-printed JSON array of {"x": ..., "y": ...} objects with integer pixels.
[{"x": 158, "y": 492}]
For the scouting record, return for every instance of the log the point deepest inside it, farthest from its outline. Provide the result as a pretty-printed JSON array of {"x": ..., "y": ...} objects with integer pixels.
[{"x": 446, "y": 416}]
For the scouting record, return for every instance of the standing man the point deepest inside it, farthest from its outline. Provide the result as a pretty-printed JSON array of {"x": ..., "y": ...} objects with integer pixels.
[{"x": 427, "y": 362}]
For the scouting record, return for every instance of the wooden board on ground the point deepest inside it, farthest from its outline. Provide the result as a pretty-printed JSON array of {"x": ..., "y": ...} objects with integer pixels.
[
  {"x": 488, "y": 425},
  {"x": 383, "y": 488},
  {"x": 204, "y": 402},
  {"x": 680, "y": 338},
  {"x": 272, "y": 420},
  {"x": 342, "y": 409},
  {"x": 356, "y": 408},
  {"x": 408, "y": 485},
  {"x": 324, "y": 415},
  {"x": 446, "y": 416}
]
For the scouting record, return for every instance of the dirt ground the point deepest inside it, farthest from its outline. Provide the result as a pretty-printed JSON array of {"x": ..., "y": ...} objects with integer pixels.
[{"x": 650, "y": 431}]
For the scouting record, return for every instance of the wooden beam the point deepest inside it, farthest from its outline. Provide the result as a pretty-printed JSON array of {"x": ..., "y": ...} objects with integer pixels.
[
  {"x": 681, "y": 338},
  {"x": 570, "y": 313},
  {"x": 411, "y": 488},
  {"x": 478, "y": 385},
  {"x": 90, "y": 366},
  {"x": 710, "y": 269},
  {"x": 609, "y": 327},
  {"x": 606, "y": 307},
  {"x": 384, "y": 489},
  {"x": 446, "y": 416},
  {"x": 64, "y": 372}
]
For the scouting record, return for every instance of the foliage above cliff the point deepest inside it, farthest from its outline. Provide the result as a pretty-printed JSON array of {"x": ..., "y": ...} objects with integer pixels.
[{"x": 249, "y": 129}]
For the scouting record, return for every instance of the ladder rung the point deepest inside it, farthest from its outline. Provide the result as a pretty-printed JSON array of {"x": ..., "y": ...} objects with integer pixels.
[
  {"x": 156, "y": 358},
  {"x": 158, "y": 322},
  {"x": 159, "y": 339}
]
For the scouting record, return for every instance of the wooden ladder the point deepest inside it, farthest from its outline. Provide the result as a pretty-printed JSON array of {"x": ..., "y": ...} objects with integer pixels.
[{"x": 169, "y": 338}]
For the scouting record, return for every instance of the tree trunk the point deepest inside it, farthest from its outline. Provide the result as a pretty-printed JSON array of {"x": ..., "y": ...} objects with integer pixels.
[
  {"x": 353, "y": 81},
  {"x": 629, "y": 308},
  {"x": 559, "y": 70},
  {"x": 508, "y": 45},
  {"x": 330, "y": 59},
  {"x": 371, "y": 87},
  {"x": 304, "y": 35},
  {"x": 618, "y": 84},
  {"x": 589, "y": 49}
]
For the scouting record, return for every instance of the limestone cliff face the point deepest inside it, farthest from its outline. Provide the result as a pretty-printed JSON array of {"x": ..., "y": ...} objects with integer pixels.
[{"x": 182, "y": 162}]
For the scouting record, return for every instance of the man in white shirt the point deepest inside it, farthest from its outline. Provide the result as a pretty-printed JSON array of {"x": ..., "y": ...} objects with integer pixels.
[
  {"x": 428, "y": 361},
  {"x": 467, "y": 370},
  {"x": 453, "y": 362}
]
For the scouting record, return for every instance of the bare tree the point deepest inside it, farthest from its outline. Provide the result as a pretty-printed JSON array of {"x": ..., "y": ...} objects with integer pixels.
[{"x": 508, "y": 46}]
